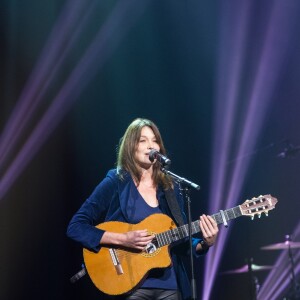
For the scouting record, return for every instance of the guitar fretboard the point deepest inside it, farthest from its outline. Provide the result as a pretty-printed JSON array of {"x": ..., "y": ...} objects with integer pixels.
[{"x": 178, "y": 233}]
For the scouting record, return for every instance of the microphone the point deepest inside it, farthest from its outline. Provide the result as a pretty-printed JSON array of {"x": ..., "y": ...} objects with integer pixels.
[{"x": 154, "y": 154}]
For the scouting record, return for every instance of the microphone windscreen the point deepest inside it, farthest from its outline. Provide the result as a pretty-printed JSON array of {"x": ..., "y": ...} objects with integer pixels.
[{"x": 152, "y": 155}]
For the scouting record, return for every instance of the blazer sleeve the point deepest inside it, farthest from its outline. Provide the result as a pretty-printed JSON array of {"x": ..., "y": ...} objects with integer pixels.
[{"x": 92, "y": 212}]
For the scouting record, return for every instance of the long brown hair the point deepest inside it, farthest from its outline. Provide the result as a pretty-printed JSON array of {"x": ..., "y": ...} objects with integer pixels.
[{"x": 126, "y": 153}]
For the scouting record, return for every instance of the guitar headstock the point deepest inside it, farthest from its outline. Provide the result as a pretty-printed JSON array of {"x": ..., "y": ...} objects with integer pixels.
[{"x": 257, "y": 206}]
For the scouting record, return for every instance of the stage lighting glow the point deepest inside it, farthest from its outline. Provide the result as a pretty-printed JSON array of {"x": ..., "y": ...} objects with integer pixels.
[
  {"x": 61, "y": 40},
  {"x": 254, "y": 106},
  {"x": 117, "y": 25},
  {"x": 279, "y": 280}
]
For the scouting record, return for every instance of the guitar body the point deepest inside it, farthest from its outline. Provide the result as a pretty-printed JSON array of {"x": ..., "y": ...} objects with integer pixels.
[
  {"x": 115, "y": 278},
  {"x": 116, "y": 271}
]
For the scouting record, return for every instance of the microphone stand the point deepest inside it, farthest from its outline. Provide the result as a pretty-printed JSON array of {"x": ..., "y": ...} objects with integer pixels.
[
  {"x": 295, "y": 287},
  {"x": 253, "y": 281},
  {"x": 185, "y": 186}
]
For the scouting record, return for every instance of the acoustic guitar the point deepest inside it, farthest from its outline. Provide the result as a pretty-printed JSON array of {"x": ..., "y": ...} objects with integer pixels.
[{"x": 116, "y": 271}]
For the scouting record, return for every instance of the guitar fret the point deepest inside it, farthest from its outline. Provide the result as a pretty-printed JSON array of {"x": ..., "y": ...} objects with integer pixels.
[
  {"x": 229, "y": 214},
  {"x": 181, "y": 231},
  {"x": 169, "y": 239},
  {"x": 162, "y": 239},
  {"x": 233, "y": 213},
  {"x": 186, "y": 229},
  {"x": 226, "y": 212},
  {"x": 218, "y": 218},
  {"x": 174, "y": 235},
  {"x": 179, "y": 234},
  {"x": 157, "y": 236},
  {"x": 193, "y": 228},
  {"x": 158, "y": 240},
  {"x": 237, "y": 211},
  {"x": 197, "y": 226},
  {"x": 169, "y": 234},
  {"x": 165, "y": 237}
]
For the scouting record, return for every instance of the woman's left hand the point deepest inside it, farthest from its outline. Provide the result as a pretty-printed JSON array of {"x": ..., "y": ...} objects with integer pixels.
[{"x": 209, "y": 229}]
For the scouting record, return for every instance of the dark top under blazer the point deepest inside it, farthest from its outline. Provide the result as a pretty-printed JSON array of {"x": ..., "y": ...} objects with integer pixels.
[{"x": 110, "y": 201}]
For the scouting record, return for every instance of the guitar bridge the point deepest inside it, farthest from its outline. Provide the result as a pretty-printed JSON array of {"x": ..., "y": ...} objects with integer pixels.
[{"x": 116, "y": 261}]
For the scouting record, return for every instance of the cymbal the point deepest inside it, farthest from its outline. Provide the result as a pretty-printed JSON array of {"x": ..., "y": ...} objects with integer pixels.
[
  {"x": 245, "y": 269},
  {"x": 282, "y": 246}
]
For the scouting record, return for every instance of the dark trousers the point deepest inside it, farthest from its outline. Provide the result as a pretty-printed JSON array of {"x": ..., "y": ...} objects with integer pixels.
[{"x": 151, "y": 294}]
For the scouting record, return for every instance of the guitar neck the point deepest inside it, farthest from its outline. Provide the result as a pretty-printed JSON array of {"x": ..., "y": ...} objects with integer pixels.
[{"x": 178, "y": 233}]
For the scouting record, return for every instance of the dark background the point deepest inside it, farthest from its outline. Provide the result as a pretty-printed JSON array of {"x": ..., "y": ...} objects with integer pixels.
[{"x": 165, "y": 68}]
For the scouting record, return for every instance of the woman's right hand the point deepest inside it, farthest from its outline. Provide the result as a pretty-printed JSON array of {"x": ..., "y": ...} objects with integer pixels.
[{"x": 137, "y": 239}]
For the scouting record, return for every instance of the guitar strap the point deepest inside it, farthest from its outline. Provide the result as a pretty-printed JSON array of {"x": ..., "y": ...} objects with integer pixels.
[{"x": 174, "y": 206}]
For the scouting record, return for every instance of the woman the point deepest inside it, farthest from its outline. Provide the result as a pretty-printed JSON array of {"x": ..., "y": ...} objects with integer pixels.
[{"x": 130, "y": 193}]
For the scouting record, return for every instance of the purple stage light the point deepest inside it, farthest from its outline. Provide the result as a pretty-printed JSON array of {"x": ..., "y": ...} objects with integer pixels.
[
  {"x": 274, "y": 52},
  {"x": 278, "y": 281},
  {"x": 231, "y": 61},
  {"x": 122, "y": 18},
  {"x": 50, "y": 61}
]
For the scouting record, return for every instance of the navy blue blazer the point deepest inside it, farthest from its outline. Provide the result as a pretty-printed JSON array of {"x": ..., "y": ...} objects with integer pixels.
[{"x": 111, "y": 201}]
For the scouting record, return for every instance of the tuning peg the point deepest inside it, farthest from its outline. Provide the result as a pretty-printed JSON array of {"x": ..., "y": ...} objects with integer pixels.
[
  {"x": 259, "y": 215},
  {"x": 252, "y": 218},
  {"x": 266, "y": 213}
]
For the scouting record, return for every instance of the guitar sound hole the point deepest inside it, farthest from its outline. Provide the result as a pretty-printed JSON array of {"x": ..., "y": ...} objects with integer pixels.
[{"x": 150, "y": 248}]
